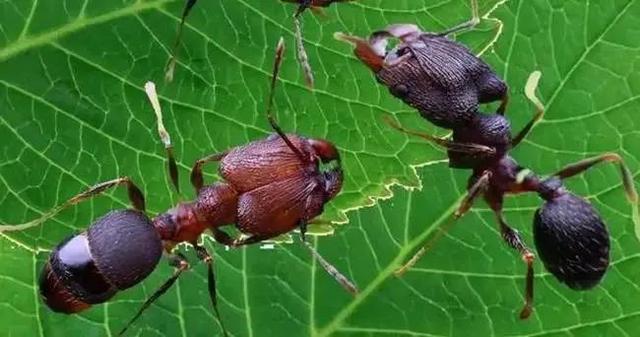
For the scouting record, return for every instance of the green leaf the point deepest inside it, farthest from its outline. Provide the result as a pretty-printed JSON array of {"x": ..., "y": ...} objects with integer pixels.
[{"x": 73, "y": 113}]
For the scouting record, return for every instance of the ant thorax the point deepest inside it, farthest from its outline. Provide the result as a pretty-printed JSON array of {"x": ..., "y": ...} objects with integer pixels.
[{"x": 489, "y": 130}]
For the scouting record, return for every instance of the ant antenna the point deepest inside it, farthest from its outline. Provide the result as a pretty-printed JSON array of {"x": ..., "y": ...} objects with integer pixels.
[
  {"x": 274, "y": 124},
  {"x": 207, "y": 258},
  {"x": 172, "y": 167},
  {"x": 171, "y": 65}
]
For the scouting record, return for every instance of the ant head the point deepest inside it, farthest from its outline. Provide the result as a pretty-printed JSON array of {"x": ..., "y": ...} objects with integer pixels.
[
  {"x": 571, "y": 239},
  {"x": 426, "y": 71},
  {"x": 324, "y": 150},
  {"x": 331, "y": 171}
]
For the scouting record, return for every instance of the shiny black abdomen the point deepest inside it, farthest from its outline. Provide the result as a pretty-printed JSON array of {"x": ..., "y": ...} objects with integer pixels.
[{"x": 118, "y": 251}]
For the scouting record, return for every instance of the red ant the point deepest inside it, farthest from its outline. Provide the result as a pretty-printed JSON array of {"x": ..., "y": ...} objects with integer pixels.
[
  {"x": 270, "y": 187},
  {"x": 446, "y": 83}
]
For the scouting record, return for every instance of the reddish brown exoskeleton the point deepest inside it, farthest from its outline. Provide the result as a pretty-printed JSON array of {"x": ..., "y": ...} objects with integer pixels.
[{"x": 269, "y": 187}]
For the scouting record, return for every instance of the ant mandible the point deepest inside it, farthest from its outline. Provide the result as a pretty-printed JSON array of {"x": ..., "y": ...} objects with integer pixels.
[
  {"x": 270, "y": 187},
  {"x": 446, "y": 83}
]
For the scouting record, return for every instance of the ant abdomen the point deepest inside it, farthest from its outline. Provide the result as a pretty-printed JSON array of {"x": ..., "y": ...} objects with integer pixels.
[
  {"x": 572, "y": 241},
  {"x": 117, "y": 252}
]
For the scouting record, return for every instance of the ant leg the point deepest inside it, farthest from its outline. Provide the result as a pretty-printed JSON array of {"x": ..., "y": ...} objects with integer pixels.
[
  {"x": 205, "y": 257},
  {"x": 248, "y": 240},
  {"x": 172, "y": 167},
  {"x": 328, "y": 267},
  {"x": 513, "y": 239},
  {"x": 475, "y": 149},
  {"x": 530, "y": 92},
  {"x": 135, "y": 196},
  {"x": 171, "y": 65},
  {"x": 196, "y": 171},
  {"x": 474, "y": 191},
  {"x": 304, "y": 4},
  {"x": 180, "y": 263},
  {"x": 503, "y": 104},
  {"x": 276, "y": 70},
  {"x": 585, "y": 164},
  {"x": 475, "y": 19},
  {"x": 627, "y": 178},
  {"x": 222, "y": 237},
  {"x": 301, "y": 53}
]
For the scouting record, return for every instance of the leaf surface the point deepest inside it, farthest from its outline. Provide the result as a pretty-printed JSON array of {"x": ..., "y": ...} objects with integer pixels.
[{"x": 73, "y": 113}]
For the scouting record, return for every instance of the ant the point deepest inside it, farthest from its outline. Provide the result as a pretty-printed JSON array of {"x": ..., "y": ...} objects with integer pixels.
[
  {"x": 303, "y": 58},
  {"x": 446, "y": 83},
  {"x": 270, "y": 187},
  {"x": 569, "y": 234}
]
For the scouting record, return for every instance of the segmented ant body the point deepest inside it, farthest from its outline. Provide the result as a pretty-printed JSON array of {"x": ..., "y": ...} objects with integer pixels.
[
  {"x": 446, "y": 84},
  {"x": 269, "y": 188}
]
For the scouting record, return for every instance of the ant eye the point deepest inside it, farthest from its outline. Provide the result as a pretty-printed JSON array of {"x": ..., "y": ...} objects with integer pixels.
[
  {"x": 402, "y": 51},
  {"x": 400, "y": 91}
]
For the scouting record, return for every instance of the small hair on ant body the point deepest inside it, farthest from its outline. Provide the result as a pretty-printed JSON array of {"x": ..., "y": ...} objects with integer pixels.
[
  {"x": 269, "y": 187},
  {"x": 446, "y": 83},
  {"x": 301, "y": 53}
]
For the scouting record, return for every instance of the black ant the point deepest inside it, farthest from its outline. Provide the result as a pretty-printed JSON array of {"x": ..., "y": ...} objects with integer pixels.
[
  {"x": 570, "y": 237},
  {"x": 439, "y": 77},
  {"x": 269, "y": 187},
  {"x": 303, "y": 58},
  {"x": 446, "y": 83}
]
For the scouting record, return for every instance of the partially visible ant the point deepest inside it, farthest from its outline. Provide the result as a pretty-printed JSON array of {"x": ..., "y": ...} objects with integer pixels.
[
  {"x": 439, "y": 77},
  {"x": 303, "y": 58},
  {"x": 270, "y": 187},
  {"x": 446, "y": 83},
  {"x": 570, "y": 237}
]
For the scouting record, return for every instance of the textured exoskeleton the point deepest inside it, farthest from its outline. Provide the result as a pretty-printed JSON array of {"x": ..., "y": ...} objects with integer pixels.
[
  {"x": 268, "y": 188},
  {"x": 91, "y": 267},
  {"x": 571, "y": 238},
  {"x": 439, "y": 77}
]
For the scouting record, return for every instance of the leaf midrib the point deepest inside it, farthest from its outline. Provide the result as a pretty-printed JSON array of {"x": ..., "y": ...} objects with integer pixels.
[{"x": 27, "y": 42}]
